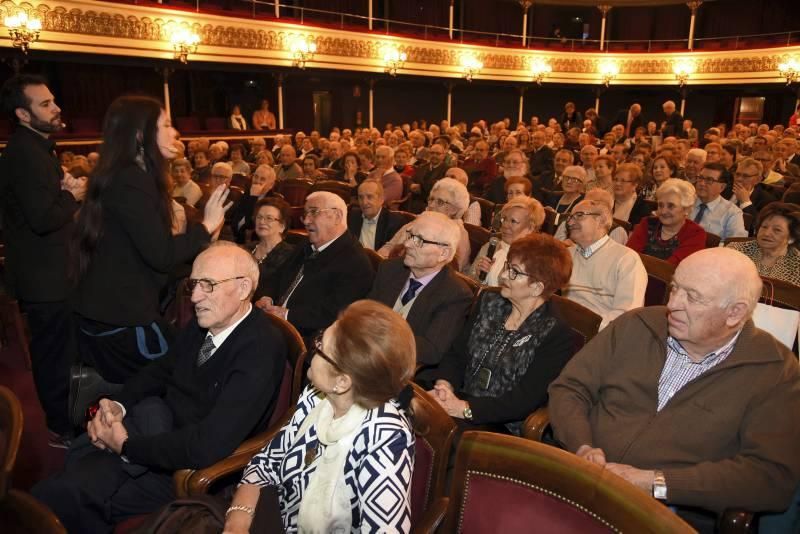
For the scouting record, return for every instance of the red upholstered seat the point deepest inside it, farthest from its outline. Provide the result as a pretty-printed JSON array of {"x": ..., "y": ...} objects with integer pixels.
[
  {"x": 187, "y": 124},
  {"x": 532, "y": 505},
  {"x": 85, "y": 125},
  {"x": 215, "y": 123}
]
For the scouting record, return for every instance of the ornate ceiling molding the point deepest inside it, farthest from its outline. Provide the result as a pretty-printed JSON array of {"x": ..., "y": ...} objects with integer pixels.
[{"x": 89, "y": 26}]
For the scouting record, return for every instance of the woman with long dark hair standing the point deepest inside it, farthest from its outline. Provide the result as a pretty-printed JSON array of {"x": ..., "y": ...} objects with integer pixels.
[{"x": 123, "y": 246}]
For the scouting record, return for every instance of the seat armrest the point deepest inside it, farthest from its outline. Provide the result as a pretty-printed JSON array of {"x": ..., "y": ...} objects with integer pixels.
[
  {"x": 433, "y": 516},
  {"x": 734, "y": 521},
  {"x": 189, "y": 482},
  {"x": 536, "y": 424}
]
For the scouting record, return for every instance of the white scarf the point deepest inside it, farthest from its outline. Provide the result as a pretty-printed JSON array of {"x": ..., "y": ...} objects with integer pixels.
[{"x": 325, "y": 507}]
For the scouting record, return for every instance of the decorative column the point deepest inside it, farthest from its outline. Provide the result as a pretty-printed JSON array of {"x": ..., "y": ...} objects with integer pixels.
[
  {"x": 280, "y": 77},
  {"x": 521, "y": 103},
  {"x": 369, "y": 14},
  {"x": 693, "y": 5},
  {"x": 277, "y": 9},
  {"x": 371, "y": 103},
  {"x": 450, "y": 103},
  {"x": 604, "y": 9},
  {"x": 525, "y": 5},
  {"x": 451, "y": 18},
  {"x": 165, "y": 73}
]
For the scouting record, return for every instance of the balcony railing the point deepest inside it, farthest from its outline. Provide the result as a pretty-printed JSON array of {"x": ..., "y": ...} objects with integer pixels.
[{"x": 264, "y": 10}]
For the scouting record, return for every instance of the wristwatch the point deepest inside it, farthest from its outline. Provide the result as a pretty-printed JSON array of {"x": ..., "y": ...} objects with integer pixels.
[
  {"x": 468, "y": 413},
  {"x": 659, "y": 486}
]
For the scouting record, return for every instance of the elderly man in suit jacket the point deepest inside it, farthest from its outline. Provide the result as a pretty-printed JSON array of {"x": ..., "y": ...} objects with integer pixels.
[
  {"x": 630, "y": 118},
  {"x": 325, "y": 274},
  {"x": 217, "y": 386},
  {"x": 423, "y": 288},
  {"x": 372, "y": 224}
]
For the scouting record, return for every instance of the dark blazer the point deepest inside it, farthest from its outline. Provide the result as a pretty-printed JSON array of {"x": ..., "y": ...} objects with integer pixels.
[
  {"x": 426, "y": 177},
  {"x": 437, "y": 314},
  {"x": 760, "y": 197},
  {"x": 268, "y": 268},
  {"x": 243, "y": 209},
  {"x": 216, "y": 406},
  {"x": 541, "y": 161},
  {"x": 673, "y": 125},
  {"x": 639, "y": 211},
  {"x": 389, "y": 223},
  {"x": 338, "y": 276},
  {"x": 134, "y": 255},
  {"x": 622, "y": 118},
  {"x": 37, "y": 218}
]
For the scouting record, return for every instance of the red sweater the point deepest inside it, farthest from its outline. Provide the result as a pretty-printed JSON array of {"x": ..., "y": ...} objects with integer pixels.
[{"x": 691, "y": 238}]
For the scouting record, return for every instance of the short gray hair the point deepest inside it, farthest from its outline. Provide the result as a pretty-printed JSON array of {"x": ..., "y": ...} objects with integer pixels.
[
  {"x": 332, "y": 200},
  {"x": 449, "y": 231},
  {"x": 682, "y": 188},
  {"x": 698, "y": 152},
  {"x": 459, "y": 196},
  {"x": 243, "y": 261},
  {"x": 385, "y": 148},
  {"x": 532, "y": 207}
]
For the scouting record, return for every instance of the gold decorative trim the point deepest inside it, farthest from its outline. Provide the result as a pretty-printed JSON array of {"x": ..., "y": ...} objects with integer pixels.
[{"x": 65, "y": 26}]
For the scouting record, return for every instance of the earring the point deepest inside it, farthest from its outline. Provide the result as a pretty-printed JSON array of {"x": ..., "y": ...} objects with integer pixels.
[{"x": 335, "y": 389}]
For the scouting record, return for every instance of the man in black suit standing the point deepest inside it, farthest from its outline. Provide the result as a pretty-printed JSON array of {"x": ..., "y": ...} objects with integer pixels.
[
  {"x": 630, "y": 118},
  {"x": 541, "y": 156},
  {"x": 423, "y": 288},
  {"x": 325, "y": 274},
  {"x": 189, "y": 409},
  {"x": 672, "y": 125},
  {"x": 39, "y": 206},
  {"x": 372, "y": 224}
]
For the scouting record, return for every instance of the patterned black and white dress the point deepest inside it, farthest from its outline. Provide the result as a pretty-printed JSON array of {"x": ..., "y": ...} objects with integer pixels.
[{"x": 377, "y": 471}]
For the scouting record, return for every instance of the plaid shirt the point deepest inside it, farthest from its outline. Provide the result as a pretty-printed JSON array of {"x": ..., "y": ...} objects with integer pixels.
[{"x": 679, "y": 369}]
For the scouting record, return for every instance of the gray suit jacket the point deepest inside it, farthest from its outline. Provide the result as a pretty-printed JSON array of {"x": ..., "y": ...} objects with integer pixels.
[{"x": 438, "y": 313}]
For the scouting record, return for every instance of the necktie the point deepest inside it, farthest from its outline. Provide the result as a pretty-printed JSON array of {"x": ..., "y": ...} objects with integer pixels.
[
  {"x": 701, "y": 210},
  {"x": 297, "y": 279},
  {"x": 413, "y": 287},
  {"x": 205, "y": 351}
]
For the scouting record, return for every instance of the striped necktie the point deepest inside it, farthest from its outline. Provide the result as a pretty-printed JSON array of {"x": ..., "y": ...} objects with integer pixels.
[{"x": 205, "y": 351}]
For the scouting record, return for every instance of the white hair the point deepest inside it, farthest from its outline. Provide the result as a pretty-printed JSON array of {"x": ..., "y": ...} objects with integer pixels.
[
  {"x": 447, "y": 230},
  {"x": 459, "y": 196},
  {"x": 682, "y": 188},
  {"x": 698, "y": 152},
  {"x": 243, "y": 262},
  {"x": 221, "y": 165},
  {"x": 386, "y": 148},
  {"x": 331, "y": 200}
]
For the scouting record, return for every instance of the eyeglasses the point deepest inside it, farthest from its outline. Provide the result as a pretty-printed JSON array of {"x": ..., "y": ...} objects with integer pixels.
[
  {"x": 512, "y": 272},
  {"x": 206, "y": 285},
  {"x": 220, "y": 176},
  {"x": 621, "y": 181},
  {"x": 572, "y": 180},
  {"x": 513, "y": 222},
  {"x": 319, "y": 352},
  {"x": 418, "y": 241},
  {"x": 746, "y": 176},
  {"x": 438, "y": 202},
  {"x": 580, "y": 215},
  {"x": 708, "y": 181},
  {"x": 267, "y": 218},
  {"x": 314, "y": 212}
]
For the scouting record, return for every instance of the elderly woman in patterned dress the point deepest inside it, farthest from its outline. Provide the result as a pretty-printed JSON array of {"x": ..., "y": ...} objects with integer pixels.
[
  {"x": 774, "y": 251},
  {"x": 514, "y": 343},
  {"x": 344, "y": 461}
]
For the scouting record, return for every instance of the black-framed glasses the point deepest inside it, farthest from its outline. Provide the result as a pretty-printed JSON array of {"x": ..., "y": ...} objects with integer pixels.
[
  {"x": 512, "y": 272},
  {"x": 745, "y": 176},
  {"x": 206, "y": 285},
  {"x": 418, "y": 241},
  {"x": 708, "y": 181},
  {"x": 321, "y": 353},
  {"x": 580, "y": 215}
]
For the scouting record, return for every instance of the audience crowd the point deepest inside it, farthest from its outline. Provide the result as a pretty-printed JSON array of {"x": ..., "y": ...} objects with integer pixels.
[{"x": 434, "y": 253}]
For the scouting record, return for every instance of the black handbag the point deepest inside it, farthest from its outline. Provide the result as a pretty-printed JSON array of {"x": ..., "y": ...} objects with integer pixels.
[{"x": 86, "y": 387}]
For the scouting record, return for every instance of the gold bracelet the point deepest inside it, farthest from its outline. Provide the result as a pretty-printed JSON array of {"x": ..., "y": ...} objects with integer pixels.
[{"x": 240, "y": 508}]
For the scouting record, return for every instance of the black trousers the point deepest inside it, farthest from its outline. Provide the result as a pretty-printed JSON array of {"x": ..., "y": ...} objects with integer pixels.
[
  {"x": 97, "y": 489},
  {"x": 52, "y": 352},
  {"x": 118, "y": 353}
]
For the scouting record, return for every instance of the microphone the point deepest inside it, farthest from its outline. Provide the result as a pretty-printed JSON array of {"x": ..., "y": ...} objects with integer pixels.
[
  {"x": 63, "y": 125},
  {"x": 489, "y": 254}
]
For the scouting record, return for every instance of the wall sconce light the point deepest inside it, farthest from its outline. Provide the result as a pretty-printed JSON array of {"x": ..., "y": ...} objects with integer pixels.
[
  {"x": 393, "y": 59},
  {"x": 540, "y": 69},
  {"x": 683, "y": 69},
  {"x": 184, "y": 42},
  {"x": 303, "y": 50},
  {"x": 24, "y": 30},
  {"x": 471, "y": 66},
  {"x": 790, "y": 69},
  {"x": 609, "y": 70}
]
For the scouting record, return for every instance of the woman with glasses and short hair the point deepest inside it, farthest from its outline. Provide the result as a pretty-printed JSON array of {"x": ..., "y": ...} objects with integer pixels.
[
  {"x": 628, "y": 205},
  {"x": 344, "y": 461},
  {"x": 513, "y": 345},
  {"x": 271, "y": 217},
  {"x": 573, "y": 183},
  {"x": 670, "y": 235}
]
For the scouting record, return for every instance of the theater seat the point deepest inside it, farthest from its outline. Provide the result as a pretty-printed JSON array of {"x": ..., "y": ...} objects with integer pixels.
[
  {"x": 85, "y": 125},
  {"x": 478, "y": 236},
  {"x": 215, "y": 123},
  {"x": 187, "y": 124},
  {"x": 344, "y": 190},
  {"x": 509, "y": 484},
  {"x": 659, "y": 276}
]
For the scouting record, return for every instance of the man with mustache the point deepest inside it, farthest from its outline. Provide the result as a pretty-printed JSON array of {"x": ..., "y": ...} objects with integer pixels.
[{"x": 39, "y": 205}]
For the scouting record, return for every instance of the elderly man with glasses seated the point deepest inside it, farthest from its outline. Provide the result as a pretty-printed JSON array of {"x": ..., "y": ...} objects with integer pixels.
[
  {"x": 423, "y": 288},
  {"x": 715, "y": 214},
  {"x": 186, "y": 410},
  {"x": 607, "y": 277},
  {"x": 748, "y": 193},
  {"x": 325, "y": 274},
  {"x": 450, "y": 198}
]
